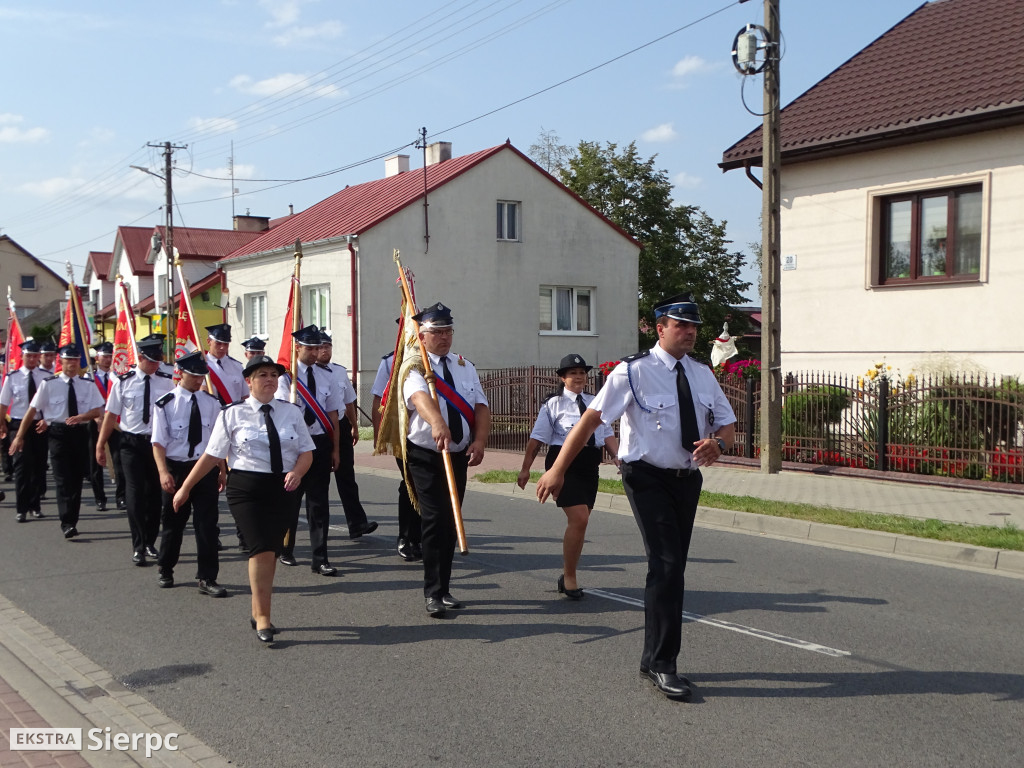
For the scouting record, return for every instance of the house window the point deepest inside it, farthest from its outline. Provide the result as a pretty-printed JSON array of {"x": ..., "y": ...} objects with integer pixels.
[
  {"x": 508, "y": 220},
  {"x": 931, "y": 236},
  {"x": 256, "y": 314},
  {"x": 28, "y": 282},
  {"x": 318, "y": 305},
  {"x": 566, "y": 310}
]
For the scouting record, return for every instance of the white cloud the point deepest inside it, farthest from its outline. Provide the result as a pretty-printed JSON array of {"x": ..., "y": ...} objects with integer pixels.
[
  {"x": 659, "y": 133},
  {"x": 684, "y": 180},
  {"x": 690, "y": 65},
  {"x": 213, "y": 125},
  {"x": 48, "y": 188},
  {"x": 286, "y": 82},
  {"x": 11, "y": 131},
  {"x": 284, "y": 20}
]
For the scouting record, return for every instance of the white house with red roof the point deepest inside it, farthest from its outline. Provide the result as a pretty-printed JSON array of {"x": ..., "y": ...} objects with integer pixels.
[
  {"x": 903, "y": 190},
  {"x": 530, "y": 271}
]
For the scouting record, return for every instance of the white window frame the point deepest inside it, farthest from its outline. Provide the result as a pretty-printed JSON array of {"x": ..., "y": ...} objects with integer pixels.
[
  {"x": 502, "y": 211},
  {"x": 573, "y": 293},
  {"x": 316, "y": 296},
  {"x": 256, "y": 313}
]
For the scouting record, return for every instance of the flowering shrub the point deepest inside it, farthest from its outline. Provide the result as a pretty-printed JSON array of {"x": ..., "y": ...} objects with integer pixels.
[
  {"x": 608, "y": 366},
  {"x": 1007, "y": 466},
  {"x": 740, "y": 370}
]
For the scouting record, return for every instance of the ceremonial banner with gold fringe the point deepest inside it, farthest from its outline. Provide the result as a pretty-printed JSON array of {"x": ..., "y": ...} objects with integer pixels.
[{"x": 124, "y": 331}]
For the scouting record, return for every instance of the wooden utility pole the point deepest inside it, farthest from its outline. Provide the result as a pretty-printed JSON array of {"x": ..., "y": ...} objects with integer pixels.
[
  {"x": 168, "y": 149},
  {"x": 771, "y": 260}
]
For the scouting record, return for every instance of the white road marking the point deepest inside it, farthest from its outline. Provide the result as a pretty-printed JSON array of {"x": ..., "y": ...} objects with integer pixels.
[{"x": 753, "y": 632}]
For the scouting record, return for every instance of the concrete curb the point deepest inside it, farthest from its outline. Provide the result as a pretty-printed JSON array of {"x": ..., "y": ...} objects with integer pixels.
[
  {"x": 69, "y": 690},
  {"x": 1002, "y": 562}
]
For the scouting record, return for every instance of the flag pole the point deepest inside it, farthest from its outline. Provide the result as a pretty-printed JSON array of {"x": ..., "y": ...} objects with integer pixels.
[
  {"x": 77, "y": 311},
  {"x": 296, "y": 307},
  {"x": 428, "y": 374},
  {"x": 186, "y": 297},
  {"x": 129, "y": 311}
]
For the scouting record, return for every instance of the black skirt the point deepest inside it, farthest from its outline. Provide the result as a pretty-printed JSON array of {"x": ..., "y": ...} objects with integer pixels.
[
  {"x": 580, "y": 486},
  {"x": 261, "y": 508}
]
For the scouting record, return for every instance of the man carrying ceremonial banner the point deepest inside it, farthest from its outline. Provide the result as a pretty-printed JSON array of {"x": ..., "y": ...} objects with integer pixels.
[
  {"x": 444, "y": 416},
  {"x": 75, "y": 330}
]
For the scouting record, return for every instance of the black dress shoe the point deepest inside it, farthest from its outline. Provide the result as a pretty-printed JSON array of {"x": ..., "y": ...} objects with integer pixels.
[
  {"x": 101, "y": 506},
  {"x": 122, "y": 504},
  {"x": 212, "y": 588},
  {"x": 37, "y": 514},
  {"x": 166, "y": 581},
  {"x": 405, "y": 550},
  {"x": 287, "y": 560},
  {"x": 252, "y": 623},
  {"x": 69, "y": 531},
  {"x": 417, "y": 551},
  {"x": 20, "y": 517},
  {"x": 572, "y": 594},
  {"x": 670, "y": 684},
  {"x": 326, "y": 569},
  {"x": 435, "y": 607},
  {"x": 150, "y": 552},
  {"x": 449, "y": 601},
  {"x": 367, "y": 527},
  {"x": 265, "y": 635},
  {"x": 644, "y": 672},
  {"x": 139, "y": 558}
]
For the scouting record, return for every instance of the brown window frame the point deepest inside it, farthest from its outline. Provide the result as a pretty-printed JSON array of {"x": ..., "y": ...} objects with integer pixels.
[{"x": 915, "y": 198}]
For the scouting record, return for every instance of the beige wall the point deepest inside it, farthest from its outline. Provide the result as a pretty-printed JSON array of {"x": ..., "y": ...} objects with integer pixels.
[
  {"x": 13, "y": 264},
  {"x": 832, "y": 316}
]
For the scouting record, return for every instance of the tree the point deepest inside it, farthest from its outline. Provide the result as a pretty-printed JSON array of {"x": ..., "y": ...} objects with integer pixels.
[
  {"x": 682, "y": 248},
  {"x": 548, "y": 153}
]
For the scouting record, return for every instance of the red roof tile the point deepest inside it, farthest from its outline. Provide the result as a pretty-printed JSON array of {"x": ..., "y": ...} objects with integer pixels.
[
  {"x": 355, "y": 210},
  {"x": 194, "y": 243},
  {"x": 100, "y": 263},
  {"x": 136, "y": 241},
  {"x": 949, "y": 66}
]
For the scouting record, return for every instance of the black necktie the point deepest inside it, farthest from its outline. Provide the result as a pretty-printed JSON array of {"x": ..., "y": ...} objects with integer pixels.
[
  {"x": 72, "y": 399},
  {"x": 583, "y": 409},
  {"x": 276, "y": 462},
  {"x": 687, "y": 415},
  {"x": 195, "y": 428},
  {"x": 454, "y": 417},
  {"x": 309, "y": 416},
  {"x": 145, "y": 401},
  {"x": 31, "y": 386}
]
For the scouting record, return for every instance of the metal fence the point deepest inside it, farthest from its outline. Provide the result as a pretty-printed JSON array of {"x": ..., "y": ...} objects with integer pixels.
[{"x": 955, "y": 425}]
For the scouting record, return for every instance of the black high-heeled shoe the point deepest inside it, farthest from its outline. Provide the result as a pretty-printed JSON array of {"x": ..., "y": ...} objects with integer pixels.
[
  {"x": 265, "y": 635},
  {"x": 572, "y": 594},
  {"x": 252, "y": 623}
]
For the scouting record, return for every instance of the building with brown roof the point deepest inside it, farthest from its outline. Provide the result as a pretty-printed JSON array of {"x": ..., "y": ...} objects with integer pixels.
[
  {"x": 30, "y": 283},
  {"x": 902, "y": 184},
  {"x": 530, "y": 271}
]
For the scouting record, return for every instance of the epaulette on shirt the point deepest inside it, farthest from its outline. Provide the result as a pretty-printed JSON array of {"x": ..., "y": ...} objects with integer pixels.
[
  {"x": 389, "y": 354},
  {"x": 636, "y": 356},
  {"x": 325, "y": 366},
  {"x": 165, "y": 375},
  {"x": 229, "y": 405},
  {"x": 51, "y": 378},
  {"x": 165, "y": 399},
  {"x": 126, "y": 375}
]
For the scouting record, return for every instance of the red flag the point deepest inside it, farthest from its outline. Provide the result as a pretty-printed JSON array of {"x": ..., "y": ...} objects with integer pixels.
[
  {"x": 15, "y": 337},
  {"x": 186, "y": 342},
  {"x": 124, "y": 334},
  {"x": 284, "y": 356}
]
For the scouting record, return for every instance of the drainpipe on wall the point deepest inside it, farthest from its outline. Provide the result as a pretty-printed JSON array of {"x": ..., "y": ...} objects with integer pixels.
[{"x": 354, "y": 368}]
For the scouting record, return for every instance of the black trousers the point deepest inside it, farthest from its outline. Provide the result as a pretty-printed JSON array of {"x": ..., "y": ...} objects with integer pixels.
[
  {"x": 426, "y": 468},
  {"x": 345, "y": 480},
  {"x": 5, "y": 447},
  {"x": 409, "y": 527},
  {"x": 316, "y": 487},
  {"x": 664, "y": 507},
  {"x": 202, "y": 507},
  {"x": 120, "y": 489},
  {"x": 69, "y": 459},
  {"x": 28, "y": 464},
  {"x": 96, "y": 472},
  {"x": 142, "y": 489}
]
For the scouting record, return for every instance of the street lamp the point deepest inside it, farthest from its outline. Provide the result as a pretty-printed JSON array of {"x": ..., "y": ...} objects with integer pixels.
[{"x": 169, "y": 250}]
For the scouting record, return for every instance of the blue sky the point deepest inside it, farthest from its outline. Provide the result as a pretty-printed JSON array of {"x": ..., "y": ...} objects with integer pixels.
[{"x": 303, "y": 87}]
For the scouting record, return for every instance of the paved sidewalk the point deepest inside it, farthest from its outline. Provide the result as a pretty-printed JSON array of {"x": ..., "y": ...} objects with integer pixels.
[{"x": 955, "y": 505}]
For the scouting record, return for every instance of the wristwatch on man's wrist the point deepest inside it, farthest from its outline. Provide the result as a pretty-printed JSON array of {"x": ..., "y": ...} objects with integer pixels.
[{"x": 721, "y": 443}]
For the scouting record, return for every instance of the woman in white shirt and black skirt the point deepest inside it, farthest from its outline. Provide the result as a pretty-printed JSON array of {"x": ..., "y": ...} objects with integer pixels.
[
  {"x": 558, "y": 415},
  {"x": 268, "y": 449}
]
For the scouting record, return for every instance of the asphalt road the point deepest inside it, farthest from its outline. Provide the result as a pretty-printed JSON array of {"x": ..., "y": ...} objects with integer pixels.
[{"x": 828, "y": 657}]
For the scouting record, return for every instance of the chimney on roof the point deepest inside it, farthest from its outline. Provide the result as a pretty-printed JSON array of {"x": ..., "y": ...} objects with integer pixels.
[
  {"x": 395, "y": 165},
  {"x": 249, "y": 223},
  {"x": 438, "y": 152},
  {"x": 291, "y": 209}
]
